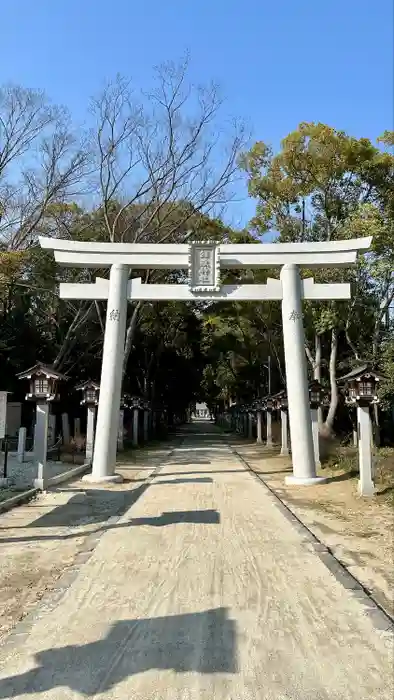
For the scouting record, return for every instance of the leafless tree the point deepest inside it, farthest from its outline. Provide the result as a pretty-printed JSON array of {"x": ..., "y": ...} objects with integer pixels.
[
  {"x": 41, "y": 162},
  {"x": 162, "y": 160}
]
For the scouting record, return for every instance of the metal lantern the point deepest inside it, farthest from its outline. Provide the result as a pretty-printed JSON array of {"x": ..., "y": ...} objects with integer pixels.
[
  {"x": 90, "y": 393},
  {"x": 315, "y": 394},
  {"x": 269, "y": 403},
  {"x": 135, "y": 402},
  {"x": 43, "y": 382}
]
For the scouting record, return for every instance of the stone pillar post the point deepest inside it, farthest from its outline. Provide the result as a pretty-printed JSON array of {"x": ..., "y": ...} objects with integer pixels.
[
  {"x": 284, "y": 450},
  {"x": 146, "y": 425},
  {"x": 51, "y": 430},
  {"x": 40, "y": 446},
  {"x": 91, "y": 416},
  {"x": 366, "y": 486},
  {"x": 65, "y": 429},
  {"x": 77, "y": 427},
  {"x": 250, "y": 426},
  {"x": 303, "y": 458},
  {"x": 268, "y": 414},
  {"x": 135, "y": 426},
  {"x": 259, "y": 426},
  {"x": 104, "y": 456},
  {"x": 120, "y": 443},
  {"x": 315, "y": 434},
  {"x": 21, "y": 445}
]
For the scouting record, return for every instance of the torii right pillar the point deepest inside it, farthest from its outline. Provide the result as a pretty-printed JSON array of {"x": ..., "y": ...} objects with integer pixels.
[{"x": 303, "y": 456}]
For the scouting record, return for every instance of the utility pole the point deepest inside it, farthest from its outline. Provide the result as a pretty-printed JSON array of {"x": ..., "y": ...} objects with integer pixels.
[{"x": 269, "y": 374}]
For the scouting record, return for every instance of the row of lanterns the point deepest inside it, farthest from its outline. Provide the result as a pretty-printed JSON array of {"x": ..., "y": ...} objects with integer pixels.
[
  {"x": 360, "y": 388},
  {"x": 44, "y": 387}
]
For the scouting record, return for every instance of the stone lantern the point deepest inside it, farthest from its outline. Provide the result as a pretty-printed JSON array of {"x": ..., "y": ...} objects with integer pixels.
[
  {"x": 281, "y": 404},
  {"x": 134, "y": 404},
  {"x": 43, "y": 381},
  {"x": 361, "y": 391},
  {"x": 316, "y": 394},
  {"x": 90, "y": 398}
]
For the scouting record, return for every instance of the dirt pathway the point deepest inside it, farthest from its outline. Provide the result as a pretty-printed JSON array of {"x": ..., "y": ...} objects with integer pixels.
[
  {"x": 359, "y": 531},
  {"x": 202, "y": 589},
  {"x": 39, "y": 541}
]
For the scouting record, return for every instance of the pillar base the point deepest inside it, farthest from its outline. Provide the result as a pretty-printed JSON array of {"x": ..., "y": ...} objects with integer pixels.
[
  {"x": 111, "y": 479},
  {"x": 270, "y": 445},
  {"x": 284, "y": 452},
  {"x": 292, "y": 480},
  {"x": 40, "y": 484},
  {"x": 366, "y": 489}
]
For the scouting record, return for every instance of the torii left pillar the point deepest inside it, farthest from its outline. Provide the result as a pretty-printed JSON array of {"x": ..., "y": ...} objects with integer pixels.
[{"x": 104, "y": 456}]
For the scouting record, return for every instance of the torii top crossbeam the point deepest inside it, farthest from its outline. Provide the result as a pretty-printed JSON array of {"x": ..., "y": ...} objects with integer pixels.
[{"x": 176, "y": 256}]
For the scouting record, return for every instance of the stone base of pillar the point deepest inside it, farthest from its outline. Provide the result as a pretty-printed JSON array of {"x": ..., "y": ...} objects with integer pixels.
[
  {"x": 305, "y": 480},
  {"x": 284, "y": 452},
  {"x": 366, "y": 489},
  {"x": 40, "y": 484},
  {"x": 269, "y": 444},
  {"x": 112, "y": 479}
]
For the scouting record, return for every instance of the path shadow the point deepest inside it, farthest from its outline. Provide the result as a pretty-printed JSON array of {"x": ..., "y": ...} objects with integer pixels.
[
  {"x": 207, "y": 471},
  {"x": 90, "y": 506},
  {"x": 203, "y": 517},
  {"x": 197, "y": 480},
  {"x": 203, "y": 642},
  {"x": 342, "y": 477}
]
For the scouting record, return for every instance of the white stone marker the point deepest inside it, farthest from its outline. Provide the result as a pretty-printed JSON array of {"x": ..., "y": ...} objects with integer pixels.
[
  {"x": 104, "y": 456},
  {"x": 40, "y": 445},
  {"x": 120, "y": 444},
  {"x": 65, "y": 429},
  {"x": 21, "y": 445},
  {"x": 90, "y": 421},
  {"x": 259, "y": 439},
  {"x": 269, "y": 428},
  {"x": 303, "y": 458},
  {"x": 3, "y": 413},
  {"x": 284, "y": 450},
  {"x": 315, "y": 435},
  {"x": 366, "y": 486}
]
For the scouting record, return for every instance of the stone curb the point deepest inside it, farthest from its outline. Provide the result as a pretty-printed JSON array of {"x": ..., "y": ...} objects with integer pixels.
[
  {"x": 379, "y": 616},
  {"x": 53, "y": 596},
  {"x": 18, "y": 500}
]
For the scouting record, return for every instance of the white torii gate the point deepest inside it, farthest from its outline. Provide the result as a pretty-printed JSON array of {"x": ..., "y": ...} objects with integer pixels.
[{"x": 204, "y": 260}]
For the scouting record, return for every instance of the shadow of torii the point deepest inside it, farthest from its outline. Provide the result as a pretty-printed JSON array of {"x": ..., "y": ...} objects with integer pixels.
[{"x": 203, "y": 642}]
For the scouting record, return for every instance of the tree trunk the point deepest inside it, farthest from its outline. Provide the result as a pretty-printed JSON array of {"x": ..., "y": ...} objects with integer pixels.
[
  {"x": 317, "y": 373},
  {"x": 329, "y": 422},
  {"x": 131, "y": 328}
]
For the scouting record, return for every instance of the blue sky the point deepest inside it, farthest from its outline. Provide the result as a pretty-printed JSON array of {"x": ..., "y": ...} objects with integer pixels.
[{"x": 279, "y": 62}]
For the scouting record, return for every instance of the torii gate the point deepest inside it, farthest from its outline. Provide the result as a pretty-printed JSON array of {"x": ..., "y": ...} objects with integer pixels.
[{"x": 203, "y": 260}]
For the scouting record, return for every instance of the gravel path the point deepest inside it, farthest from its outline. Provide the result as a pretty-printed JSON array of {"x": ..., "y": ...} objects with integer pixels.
[
  {"x": 202, "y": 589},
  {"x": 21, "y": 476}
]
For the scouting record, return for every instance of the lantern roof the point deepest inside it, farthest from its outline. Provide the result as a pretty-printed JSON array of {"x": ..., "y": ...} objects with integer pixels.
[
  {"x": 359, "y": 372},
  {"x": 88, "y": 384},
  {"x": 42, "y": 370}
]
